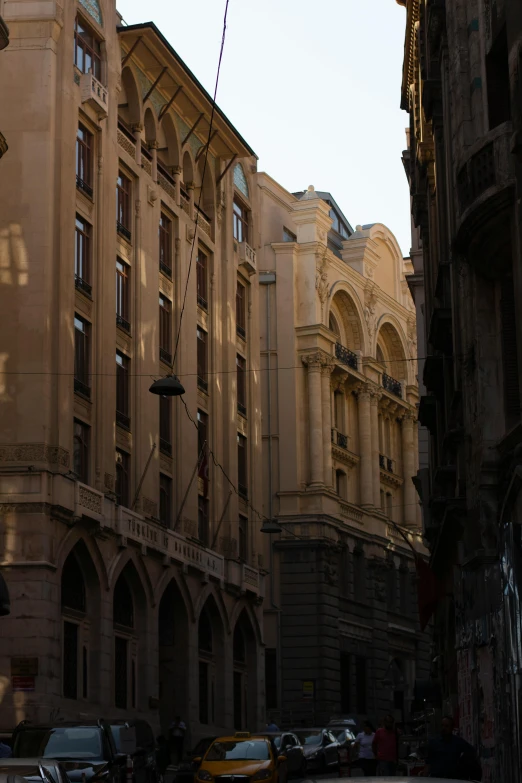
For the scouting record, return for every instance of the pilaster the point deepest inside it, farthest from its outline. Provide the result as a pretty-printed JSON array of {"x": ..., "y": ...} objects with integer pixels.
[
  {"x": 365, "y": 443},
  {"x": 326, "y": 372}
]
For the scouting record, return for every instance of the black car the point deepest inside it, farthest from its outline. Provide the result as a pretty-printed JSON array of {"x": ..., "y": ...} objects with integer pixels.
[
  {"x": 34, "y": 770},
  {"x": 287, "y": 744},
  {"x": 320, "y": 747},
  {"x": 188, "y": 768},
  {"x": 86, "y": 750},
  {"x": 144, "y": 756}
]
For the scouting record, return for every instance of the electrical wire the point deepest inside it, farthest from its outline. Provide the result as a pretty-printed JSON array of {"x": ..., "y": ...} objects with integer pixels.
[{"x": 202, "y": 180}]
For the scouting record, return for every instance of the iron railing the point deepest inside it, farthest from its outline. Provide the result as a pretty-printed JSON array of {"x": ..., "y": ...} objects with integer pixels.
[
  {"x": 83, "y": 286},
  {"x": 391, "y": 385},
  {"x": 347, "y": 357},
  {"x": 123, "y": 323}
]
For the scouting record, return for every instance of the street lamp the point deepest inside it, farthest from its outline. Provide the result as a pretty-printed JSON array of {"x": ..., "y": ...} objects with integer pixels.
[
  {"x": 167, "y": 387},
  {"x": 271, "y": 526}
]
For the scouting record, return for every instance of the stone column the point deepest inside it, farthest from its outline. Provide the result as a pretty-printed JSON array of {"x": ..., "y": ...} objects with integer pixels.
[
  {"x": 408, "y": 468},
  {"x": 190, "y": 190},
  {"x": 176, "y": 176},
  {"x": 376, "y": 471},
  {"x": 365, "y": 445},
  {"x": 153, "y": 146},
  {"x": 326, "y": 371},
  {"x": 315, "y": 418},
  {"x": 137, "y": 130}
]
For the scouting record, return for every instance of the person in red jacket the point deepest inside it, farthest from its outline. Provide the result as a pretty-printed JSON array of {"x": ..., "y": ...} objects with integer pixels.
[{"x": 385, "y": 748}]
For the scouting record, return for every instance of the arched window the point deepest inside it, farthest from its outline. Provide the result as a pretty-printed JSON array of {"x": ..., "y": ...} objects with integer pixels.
[
  {"x": 334, "y": 326},
  {"x": 239, "y": 646},
  {"x": 205, "y": 632},
  {"x": 207, "y": 673},
  {"x": 380, "y": 355},
  {"x": 75, "y": 631},
  {"x": 240, "y": 181},
  {"x": 123, "y": 605}
]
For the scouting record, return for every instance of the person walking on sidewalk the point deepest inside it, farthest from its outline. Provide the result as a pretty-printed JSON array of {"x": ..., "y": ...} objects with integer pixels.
[
  {"x": 385, "y": 746},
  {"x": 450, "y": 756},
  {"x": 177, "y": 739},
  {"x": 363, "y": 743}
]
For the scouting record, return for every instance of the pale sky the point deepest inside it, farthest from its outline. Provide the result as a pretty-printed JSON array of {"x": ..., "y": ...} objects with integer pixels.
[{"x": 312, "y": 85}]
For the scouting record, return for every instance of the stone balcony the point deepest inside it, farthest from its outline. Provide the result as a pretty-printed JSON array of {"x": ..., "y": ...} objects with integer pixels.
[{"x": 244, "y": 578}]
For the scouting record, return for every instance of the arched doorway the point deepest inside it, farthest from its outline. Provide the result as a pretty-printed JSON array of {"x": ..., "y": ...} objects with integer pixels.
[
  {"x": 80, "y": 596},
  {"x": 129, "y": 623},
  {"x": 245, "y": 673},
  {"x": 211, "y": 639},
  {"x": 173, "y": 647}
]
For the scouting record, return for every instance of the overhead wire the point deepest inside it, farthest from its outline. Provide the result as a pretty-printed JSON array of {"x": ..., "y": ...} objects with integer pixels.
[{"x": 202, "y": 180}]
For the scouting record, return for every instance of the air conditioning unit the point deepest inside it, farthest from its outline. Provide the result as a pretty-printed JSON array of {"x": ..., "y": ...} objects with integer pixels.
[
  {"x": 94, "y": 93},
  {"x": 247, "y": 258}
]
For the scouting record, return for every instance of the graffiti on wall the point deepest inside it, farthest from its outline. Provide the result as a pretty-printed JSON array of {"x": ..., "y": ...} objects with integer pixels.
[{"x": 464, "y": 663}]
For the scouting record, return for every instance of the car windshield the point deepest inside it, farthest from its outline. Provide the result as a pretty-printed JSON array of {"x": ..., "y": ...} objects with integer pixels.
[
  {"x": 116, "y": 734},
  {"x": 59, "y": 743},
  {"x": 311, "y": 737},
  {"x": 246, "y": 750}
]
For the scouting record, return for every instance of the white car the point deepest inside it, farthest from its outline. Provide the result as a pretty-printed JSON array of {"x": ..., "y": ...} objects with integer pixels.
[{"x": 32, "y": 771}]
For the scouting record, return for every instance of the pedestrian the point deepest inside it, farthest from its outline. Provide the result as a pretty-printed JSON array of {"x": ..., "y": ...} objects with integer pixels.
[
  {"x": 272, "y": 726},
  {"x": 450, "y": 756},
  {"x": 177, "y": 738},
  {"x": 162, "y": 754},
  {"x": 363, "y": 743},
  {"x": 5, "y": 751},
  {"x": 385, "y": 747}
]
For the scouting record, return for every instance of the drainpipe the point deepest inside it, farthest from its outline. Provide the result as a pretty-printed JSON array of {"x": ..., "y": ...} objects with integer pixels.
[{"x": 268, "y": 279}]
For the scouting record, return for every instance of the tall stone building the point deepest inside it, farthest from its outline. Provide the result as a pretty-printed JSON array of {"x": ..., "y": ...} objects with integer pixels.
[
  {"x": 4, "y": 41},
  {"x": 462, "y": 87},
  {"x": 135, "y": 578},
  {"x": 339, "y": 451}
]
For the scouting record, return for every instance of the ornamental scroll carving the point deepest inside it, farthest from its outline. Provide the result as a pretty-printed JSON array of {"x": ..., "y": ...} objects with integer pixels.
[
  {"x": 89, "y": 499},
  {"x": 314, "y": 360},
  {"x": 412, "y": 337},
  {"x": 321, "y": 281},
  {"x": 35, "y": 452}
]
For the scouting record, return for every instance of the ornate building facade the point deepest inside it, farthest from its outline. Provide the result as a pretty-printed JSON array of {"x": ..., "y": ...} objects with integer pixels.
[
  {"x": 462, "y": 87},
  {"x": 135, "y": 575},
  {"x": 339, "y": 391},
  {"x": 4, "y": 41}
]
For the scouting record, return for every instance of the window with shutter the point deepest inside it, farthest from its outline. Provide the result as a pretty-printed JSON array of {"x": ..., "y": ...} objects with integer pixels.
[{"x": 509, "y": 353}]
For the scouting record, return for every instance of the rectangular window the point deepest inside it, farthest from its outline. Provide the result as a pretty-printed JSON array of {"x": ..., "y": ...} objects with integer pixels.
[
  {"x": 242, "y": 481},
  {"x": 288, "y": 236},
  {"x": 122, "y": 390},
  {"x": 123, "y": 212},
  {"x": 122, "y": 295},
  {"x": 165, "y": 319},
  {"x": 359, "y": 576},
  {"x": 203, "y": 527},
  {"x": 85, "y": 672},
  {"x": 81, "y": 451},
  {"x": 241, "y": 384},
  {"x": 241, "y": 310},
  {"x": 240, "y": 222},
  {"x": 202, "y": 430},
  {"x": 70, "y": 660},
  {"x": 121, "y": 672},
  {"x": 82, "y": 357},
  {"x": 203, "y": 692},
  {"x": 243, "y": 538},
  {"x": 345, "y": 681},
  {"x": 271, "y": 683},
  {"x": 360, "y": 684},
  {"x": 201, "y": 279},
  {"x": 122, "y": 478},
  {"x": 405, "y": 583},
  {"x": 165, "y": 500},
  {"x": 165, "y": 245},
  {"x": 84, "y": 160},
  {"x": 389, "y": 505},
  {"x": 82, "y": 256},
  {"x": 202, "y": 360},
  {"x": 165, "y": 425},
  {"x": 87, "y": 51}
]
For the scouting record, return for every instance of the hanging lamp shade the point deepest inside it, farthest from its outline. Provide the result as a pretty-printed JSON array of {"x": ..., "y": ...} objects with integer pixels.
[
  {"x": 167, "y": 387},
  {"x": 271, "y": 526}
]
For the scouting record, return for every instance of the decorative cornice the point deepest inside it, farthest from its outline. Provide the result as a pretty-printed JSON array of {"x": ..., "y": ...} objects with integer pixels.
[
  {"x": 35, "y": 452},
  {"x": 316, "y": 359},
  {"x": 391, "y": 480},
  {"x": 345, "y": 456}
]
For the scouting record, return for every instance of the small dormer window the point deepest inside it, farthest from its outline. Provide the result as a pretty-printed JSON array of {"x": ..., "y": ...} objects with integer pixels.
[
  {"x": 87, "y": 49},
  {"x": 338, "y": 225}
]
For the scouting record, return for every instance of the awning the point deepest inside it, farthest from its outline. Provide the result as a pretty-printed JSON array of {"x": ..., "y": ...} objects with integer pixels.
[{"x": 5, "y": 605}]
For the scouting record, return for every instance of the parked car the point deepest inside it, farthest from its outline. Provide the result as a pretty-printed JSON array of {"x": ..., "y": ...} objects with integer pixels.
[
  {"x": 243, "y": 757},
  {"x": 144, "y": 756},
  {"x": 34, "y": 770},
  {"x": 320, "y": 747},
  {"x": 84, "y": 749},
  {"x": 287, "y": 744},
  {"x": 187, "y": 769},
  {"x": 345, "y": 737}
]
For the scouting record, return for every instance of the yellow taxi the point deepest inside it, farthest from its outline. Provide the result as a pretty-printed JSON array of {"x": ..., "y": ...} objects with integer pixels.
[{"x": 243, "y": 758}]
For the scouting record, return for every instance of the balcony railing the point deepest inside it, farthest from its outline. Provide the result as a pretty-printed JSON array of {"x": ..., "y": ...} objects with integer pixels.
[
  {"x": 185, "y": 202},
  {"x": 202, "y": 384},
  {"x": 342, "y": 440},
  {"x": 123, "y": 231},
  {"x": 83, "y": 286},
  {"x": 391, "y": 385},
  {"x": 203, "y": 221},
  {"x": 347, "y": 357},
  {"x": 243, "y": 491},
  {"x": 247, "y": 257},
  {"x": 166, "y": 269},
  {"x": 382, "y": 461},
  {"x": 165, "y": 356},
  {"x": 241, "y": 331},
  {"x": 202, "y": 302},
  {"x": 241, "y": 409},
  {"x": 83, "y": 186},
  {"x": 165, "y": 447},
  {"x": 123, "y": 323},
  {"x": 385, "y": 463},
  {"x": 122, "y": 420},
  {"x": 81, "y": 388}
]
